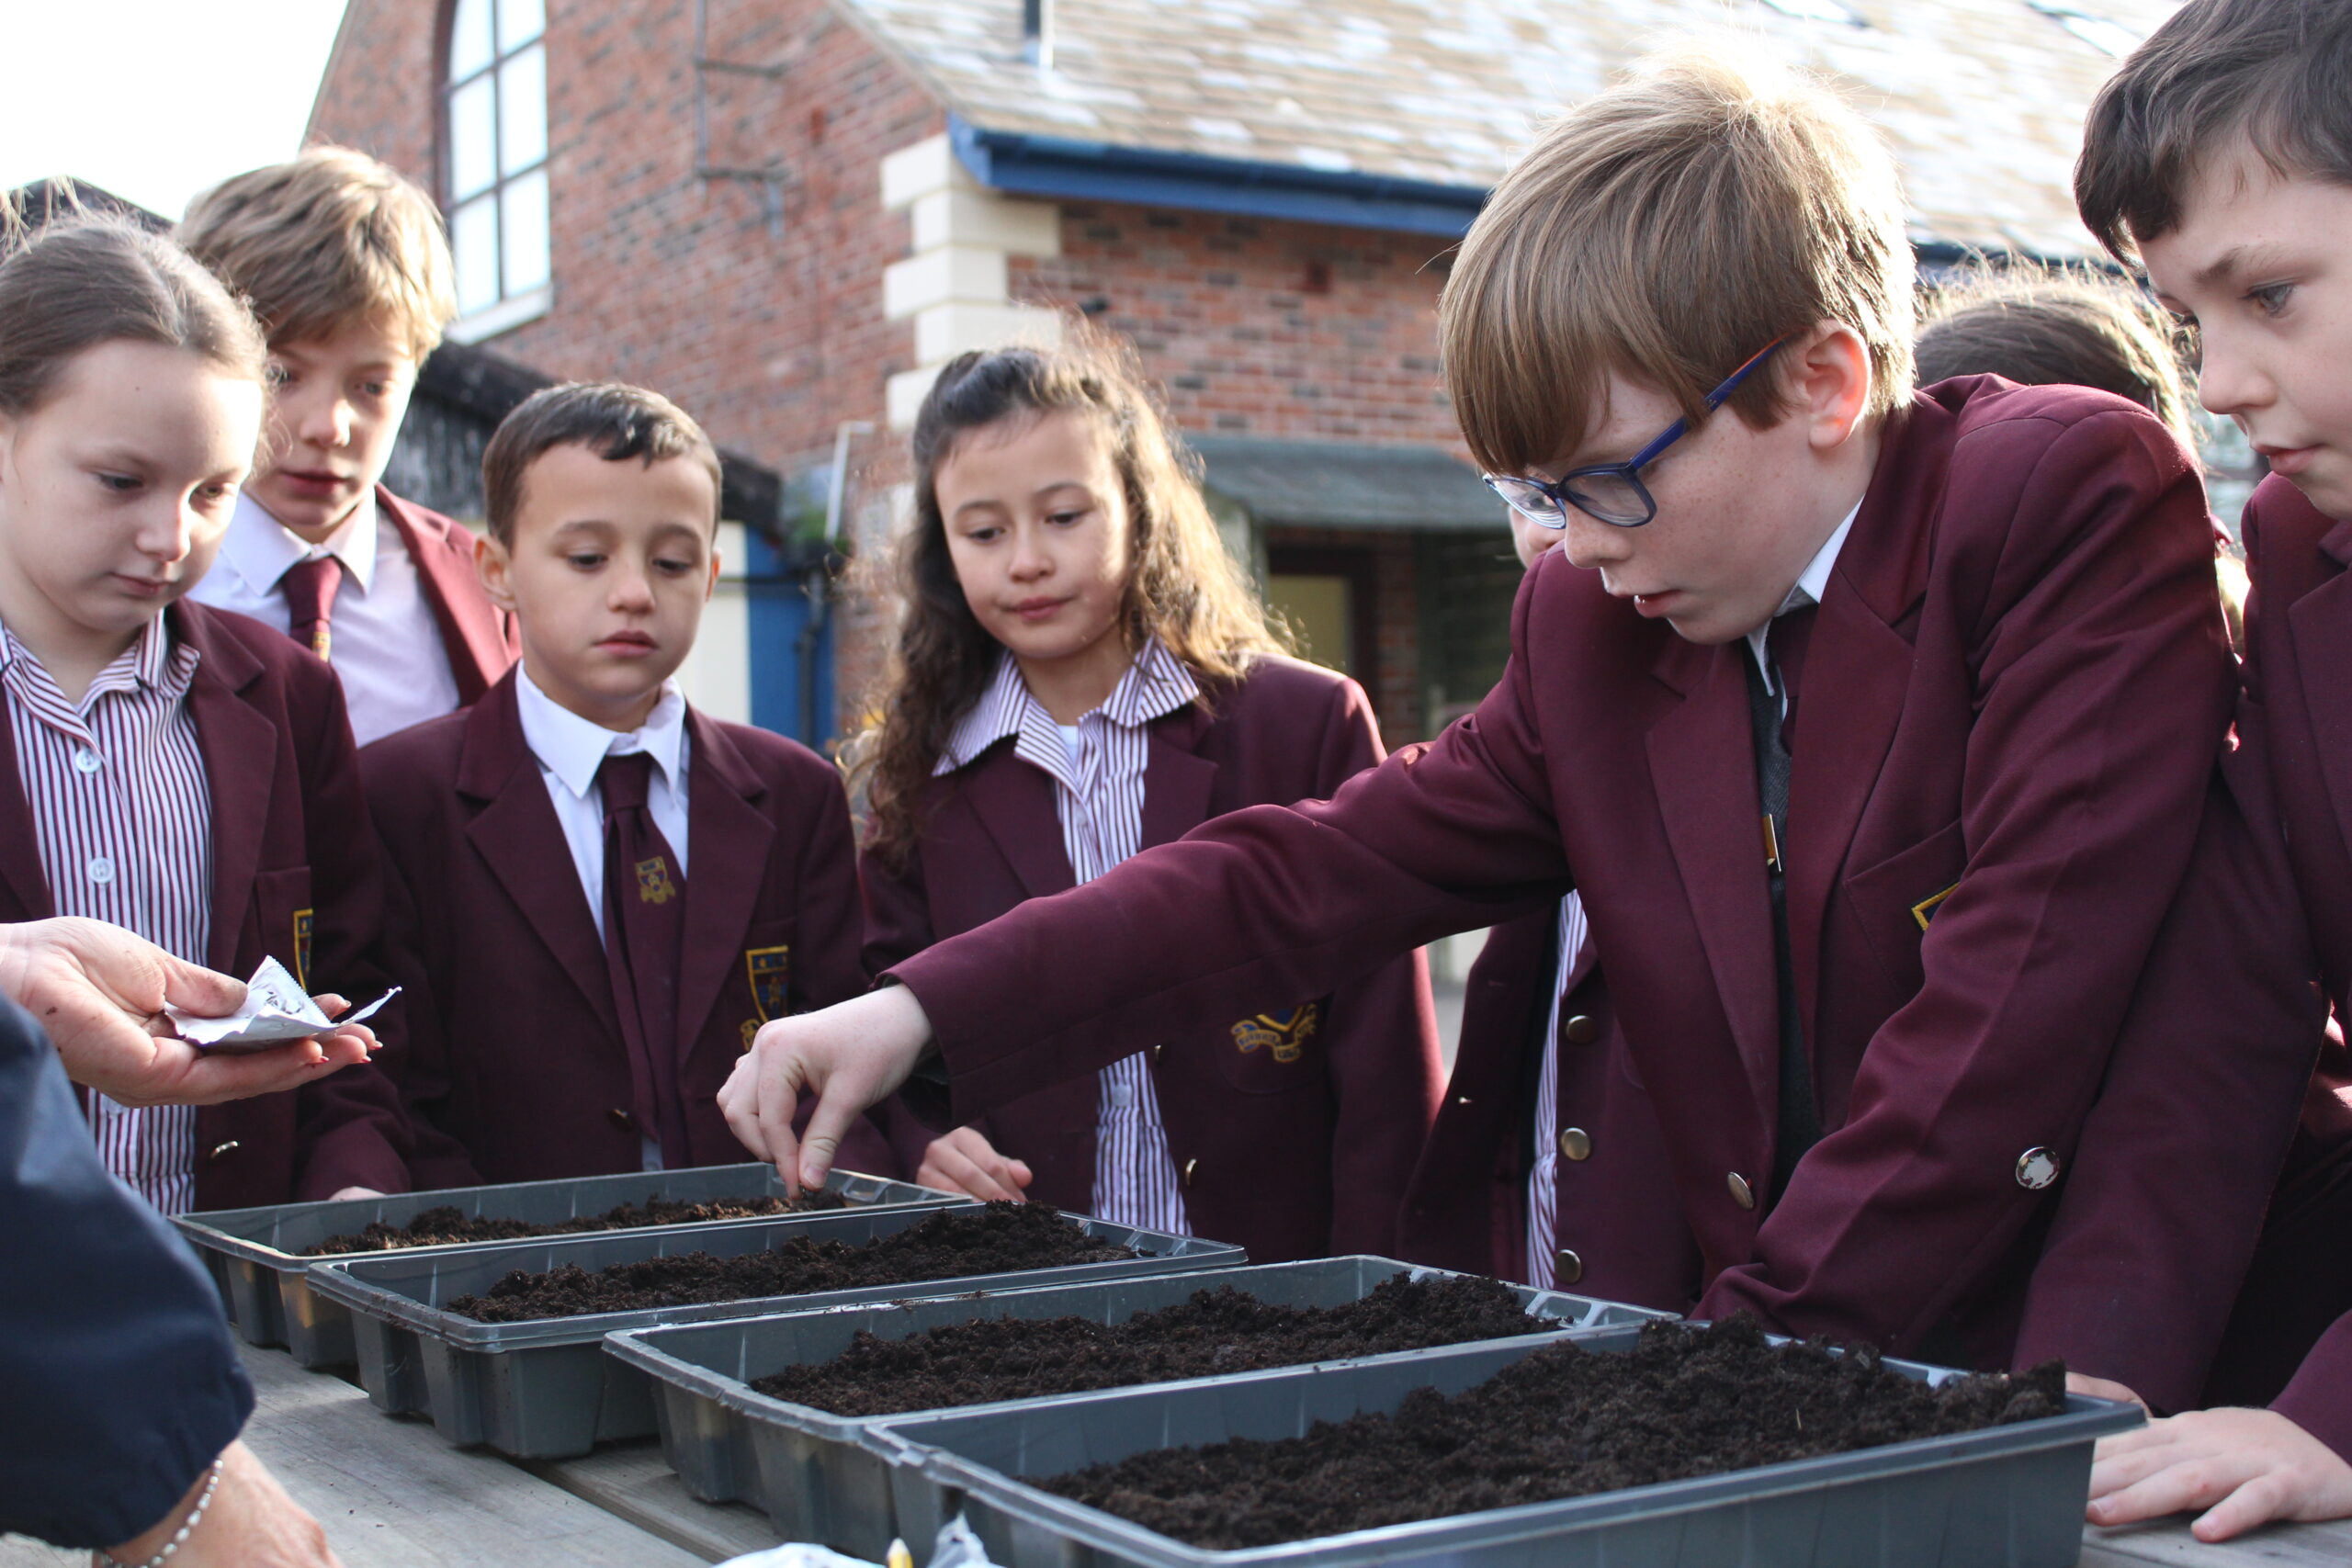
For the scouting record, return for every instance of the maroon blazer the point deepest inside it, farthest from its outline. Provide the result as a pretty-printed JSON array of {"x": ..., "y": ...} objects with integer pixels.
[
  {"x": 2297, "y": 721},
  {"x": 2017, "y": 686},
  {"x": 1617, "y": 1210},
  {"x": 506, "y": 1043},
  {"x": 289, "y": 833},
  {"x": 1297, "y": 1148},
  {"x": 478, "y": 636}
]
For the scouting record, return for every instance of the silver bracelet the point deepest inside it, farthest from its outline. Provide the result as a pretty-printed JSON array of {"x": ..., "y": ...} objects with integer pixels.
[{"x": 195, "y": 1517}]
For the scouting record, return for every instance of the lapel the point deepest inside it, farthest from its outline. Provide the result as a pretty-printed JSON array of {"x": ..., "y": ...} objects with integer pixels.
[
  {"x": 1703, "y": 763},
  {"x": 20, "y": 867},
  {"x": 470, "y": 628},
  {"x": 240, "y": 743},
  {"x": 515, "y": 832},
  {"x": 1857, "y": 674},
  {"x": 728, "y": 838},
  {"x": 1015, "y": 805},
  {"x": 2321, "y": 623},
  {"x": 1176, "y": 780}
]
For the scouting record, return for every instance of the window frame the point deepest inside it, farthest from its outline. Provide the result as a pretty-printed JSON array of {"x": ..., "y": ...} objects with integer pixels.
[{"x": 511, "y": 307}]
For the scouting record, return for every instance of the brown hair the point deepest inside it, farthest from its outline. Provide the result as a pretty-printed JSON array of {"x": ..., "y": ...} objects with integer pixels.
[
  {"x": 2276, "y": 73},
  {"x": 614, "y": 420},
  {"x": 1183, "y": 588},
  {"x": 2040, "y": 326},
  {"x": 86, "y": 282},
  {"x": 331, "y": 239},
  {"x": 1667, "y": 230}
]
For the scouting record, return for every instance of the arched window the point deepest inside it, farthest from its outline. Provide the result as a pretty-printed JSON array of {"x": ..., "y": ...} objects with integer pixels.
[{"x": 497, "y": 103}]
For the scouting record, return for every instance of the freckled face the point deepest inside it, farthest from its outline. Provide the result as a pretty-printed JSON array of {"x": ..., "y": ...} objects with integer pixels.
[{"x": 2262, "y": 264}]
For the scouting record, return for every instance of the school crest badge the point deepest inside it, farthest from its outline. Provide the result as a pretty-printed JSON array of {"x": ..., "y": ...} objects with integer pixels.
[
  {"x": 653, "y": 883},
  {"x": 770, "y": 970},
  {"x": 303, "y": 920},
  {"x": 1283, "y": 1034},
  {"x": 1925, "y": 909}
]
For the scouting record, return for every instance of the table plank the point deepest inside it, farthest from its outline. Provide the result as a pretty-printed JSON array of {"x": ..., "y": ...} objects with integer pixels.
[
  {"x": 2168, "y": 1541},
  {"x": 632, "y": 1481}
]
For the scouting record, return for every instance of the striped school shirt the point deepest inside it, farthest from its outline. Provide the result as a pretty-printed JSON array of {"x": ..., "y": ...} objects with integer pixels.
[
  {"x": 1543, "y": 1182},
  {"x": 123, "y": 815},
  {"x": 1098, "y": 797}
]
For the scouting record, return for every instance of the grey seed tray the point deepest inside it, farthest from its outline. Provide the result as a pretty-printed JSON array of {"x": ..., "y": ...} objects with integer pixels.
[
  {"x": 820, "y": 1477},
  {"x": 546, "y": 1388},
  {"x": 254, "y": 1254},
  {"x": 2005, "y": 1497}
]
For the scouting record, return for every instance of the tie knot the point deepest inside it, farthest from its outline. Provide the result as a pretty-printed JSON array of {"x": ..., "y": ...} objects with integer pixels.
[
  {"x": 623, "y": 780},
  {"x": 309, "y": 587}
]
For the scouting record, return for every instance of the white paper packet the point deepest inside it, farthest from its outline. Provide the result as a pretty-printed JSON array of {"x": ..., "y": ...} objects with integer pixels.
[{"x": 277, "y": 1010}]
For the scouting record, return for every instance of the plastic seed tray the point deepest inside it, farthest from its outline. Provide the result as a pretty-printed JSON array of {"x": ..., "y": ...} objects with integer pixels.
[
  {"x": 2005, "y": 1497},
  {"x": 254, "y": 1253},
  {"x": 546, "y": 1388},
  {"x": 821, "y": 1478}
]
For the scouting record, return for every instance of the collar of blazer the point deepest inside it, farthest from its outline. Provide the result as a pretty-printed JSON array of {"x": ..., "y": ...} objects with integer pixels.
[
  {"x": 1013, "y": 802},
  {"x": 444, "y": 554},
  {"x": 2320, "y": 621},
  {"x": 1857, "y": 671},
  {"x": 515, "y": 832}
]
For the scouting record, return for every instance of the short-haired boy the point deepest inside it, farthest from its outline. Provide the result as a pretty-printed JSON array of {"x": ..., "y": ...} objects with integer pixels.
[
  {"x": 345, "y": 262},
  {"x": 1874, "y": 728},
  {"x": 2222, "y": 155},
  {"x": 596, "y": 894}
]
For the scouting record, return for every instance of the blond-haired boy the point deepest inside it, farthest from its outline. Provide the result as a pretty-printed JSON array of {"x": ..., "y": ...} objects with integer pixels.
[
  {"x": 1872, "y": 726},
  {"x": 345, "y": 263}
]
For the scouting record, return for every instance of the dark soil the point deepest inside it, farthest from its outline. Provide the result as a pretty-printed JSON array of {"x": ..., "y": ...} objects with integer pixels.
[
  {"x": 445, "y": 1225},
  {"x": 1002, "y": 1238},
  {"x": 1218, "y": 1331},
  {"x": 1563, "y": 1423}
]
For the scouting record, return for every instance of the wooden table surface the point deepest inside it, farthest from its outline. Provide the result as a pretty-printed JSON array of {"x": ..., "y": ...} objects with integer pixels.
[{"x": 393, "y": 1494}]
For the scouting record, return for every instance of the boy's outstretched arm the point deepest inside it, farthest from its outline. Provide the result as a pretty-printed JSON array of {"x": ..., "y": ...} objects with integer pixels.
[{"x": 853, "y": 1055}]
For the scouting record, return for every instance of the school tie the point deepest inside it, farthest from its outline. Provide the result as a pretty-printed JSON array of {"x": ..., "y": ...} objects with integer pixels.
[
  {"x": 1799, "y": 1126},
  {"x": 645, "y": 923},
  {"x": 309, "y": 587}
]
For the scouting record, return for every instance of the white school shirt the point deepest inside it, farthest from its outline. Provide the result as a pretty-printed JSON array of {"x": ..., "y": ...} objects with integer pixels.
[
  {"x": 388, "y": 648},
  {"x": 123, "y": 816},
  {"x": 1097, "y": 766},
  {"x": 569, "y": 749},
  {"x": 1810, "y": 584},
  {"x": 1542, "y": 1181}
]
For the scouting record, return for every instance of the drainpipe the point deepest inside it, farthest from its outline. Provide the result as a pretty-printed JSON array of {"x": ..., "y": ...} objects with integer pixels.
[
  {"x": 816, "y": 576},
  {"x": 1037, "y": 33}
]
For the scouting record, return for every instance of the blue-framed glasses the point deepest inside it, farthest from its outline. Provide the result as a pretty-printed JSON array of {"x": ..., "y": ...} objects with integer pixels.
[{"x": 1612, "y": 492}]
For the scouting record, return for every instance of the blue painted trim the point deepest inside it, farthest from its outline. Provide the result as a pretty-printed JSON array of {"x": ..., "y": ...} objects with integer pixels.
[
  {"x": 1064, "y": 170},
  {"x": 778, "y": 610}
]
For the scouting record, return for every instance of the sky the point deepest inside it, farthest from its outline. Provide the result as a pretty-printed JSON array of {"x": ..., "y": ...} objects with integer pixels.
[{"x": 156, "y": 99}]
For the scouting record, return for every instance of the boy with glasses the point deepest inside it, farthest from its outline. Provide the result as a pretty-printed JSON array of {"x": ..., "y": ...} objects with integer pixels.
[{"x": 1873, "y": 727}]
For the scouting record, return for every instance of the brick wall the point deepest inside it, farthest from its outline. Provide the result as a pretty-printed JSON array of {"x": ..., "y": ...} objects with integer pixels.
[
  {"x": 663, "y": 278},
  {"x": 1262, "y": 327}
]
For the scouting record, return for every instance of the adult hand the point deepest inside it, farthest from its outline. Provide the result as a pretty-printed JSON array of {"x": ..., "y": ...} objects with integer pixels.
[
  {"x": 964, "y": 1161},
  {"x": 851, "y": 1054},
  {"x": 249, "y": 1523},
  {"x": 2244, "y": 1467},
  {"x": 100, "y": 990}
]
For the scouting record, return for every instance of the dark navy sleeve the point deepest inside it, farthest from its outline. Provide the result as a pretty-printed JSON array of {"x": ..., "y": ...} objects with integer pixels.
[{"x": 117, "y": 1382}]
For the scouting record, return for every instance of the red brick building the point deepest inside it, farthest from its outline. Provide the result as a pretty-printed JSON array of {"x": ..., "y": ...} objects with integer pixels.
[{"x": 786, "y": 213}]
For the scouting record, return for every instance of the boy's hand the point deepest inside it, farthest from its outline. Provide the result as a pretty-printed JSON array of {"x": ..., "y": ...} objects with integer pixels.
[
  {"x": 2244, "y": 1467},
  {"x": 249, "y": 1523},
  {"x": 852, "y": 1054},
  {"x": 99, "y": 991},
  {"x": 964, "y": 1161}
]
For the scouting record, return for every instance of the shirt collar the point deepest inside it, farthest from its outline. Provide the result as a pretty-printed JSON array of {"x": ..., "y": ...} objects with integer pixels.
[
  {"x": 572, "y": 747},
  {"x": 261, "y": 549},
  {"x": 1154, "y": 685},
  {"x": 1810, "y": 585},
  {"x": 158, "y": 660}
]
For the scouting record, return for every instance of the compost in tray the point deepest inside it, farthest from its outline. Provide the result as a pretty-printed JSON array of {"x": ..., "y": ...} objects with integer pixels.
[
  {"x": 1218, "y": 1331},
  {"x": 1564, "y": 1422},
  {"x": 1001, "y": 1238},
  {"x": 447, "y": 1225}
]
